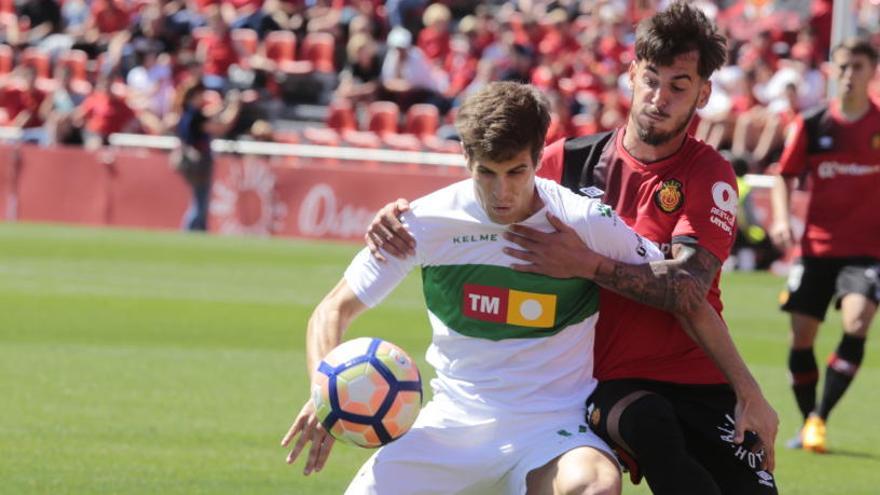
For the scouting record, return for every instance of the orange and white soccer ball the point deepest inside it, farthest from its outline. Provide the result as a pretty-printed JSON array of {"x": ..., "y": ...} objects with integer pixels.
[{"x": 367, "y": 392}]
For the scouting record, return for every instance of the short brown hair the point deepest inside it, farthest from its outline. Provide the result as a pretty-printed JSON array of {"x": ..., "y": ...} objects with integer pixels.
[
  {"x": 681, "y": 28},
  {"x": 858, "y": 46},
  {"x": 499, "y": 121}
]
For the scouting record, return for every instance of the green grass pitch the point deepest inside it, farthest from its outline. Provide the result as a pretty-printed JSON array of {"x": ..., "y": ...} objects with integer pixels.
[{"x": 142, "y": 362}]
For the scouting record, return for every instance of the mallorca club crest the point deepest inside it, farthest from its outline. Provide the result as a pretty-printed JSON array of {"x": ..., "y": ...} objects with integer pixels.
[
  {"x": 669, "y": 197},
  {"x": 875, "y": 141}
]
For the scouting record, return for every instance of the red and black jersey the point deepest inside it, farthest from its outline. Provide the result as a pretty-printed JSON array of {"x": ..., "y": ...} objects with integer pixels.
[
  {"x": 690, "y": 197},
  {"x": 842, "y": 159}
]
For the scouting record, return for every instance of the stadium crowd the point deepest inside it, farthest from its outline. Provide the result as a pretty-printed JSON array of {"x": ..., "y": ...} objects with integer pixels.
[{"x": 388, "y": 74}]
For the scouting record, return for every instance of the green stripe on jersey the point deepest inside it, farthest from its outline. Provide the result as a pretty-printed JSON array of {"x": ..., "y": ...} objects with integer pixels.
[{"x": 453, "y": 294}]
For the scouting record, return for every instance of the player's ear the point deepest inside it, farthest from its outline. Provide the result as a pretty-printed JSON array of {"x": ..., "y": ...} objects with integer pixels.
[
  {"x": 705, "y": 93},
  {"x": 467, "y": 158},
  {"x": 631, "y": 71}
]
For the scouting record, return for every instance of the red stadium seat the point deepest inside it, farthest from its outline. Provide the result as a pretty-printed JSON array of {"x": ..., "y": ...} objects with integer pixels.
[
  {"x": 7, "y": 6},
  {"x": 319, "y": 49},
  {"x": 247, "y": 41},
  {"x": 405, "y": 142},
  {"x": 77, "y": 61},
  {"x": 362, "y": 139},
  {"x": 281, "y": 46},
  {"x": 38, "y": 60},
  {"x": 7, "y": 59},
  {"x": 341, "y": 116},
  {"x": 288, "y": 137},
  {"x": 321, "y": 136},
  {"x": 382, "y": 117},
  {"x": 422, "y": 120},
  {"x": 438, "y": 145}
]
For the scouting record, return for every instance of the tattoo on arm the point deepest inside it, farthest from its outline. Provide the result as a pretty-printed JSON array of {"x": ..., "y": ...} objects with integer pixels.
[{"x": 677, "y": 285}]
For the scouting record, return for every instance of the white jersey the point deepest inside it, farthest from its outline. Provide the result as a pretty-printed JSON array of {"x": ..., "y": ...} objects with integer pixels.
[{"x": 504, "y": 342}]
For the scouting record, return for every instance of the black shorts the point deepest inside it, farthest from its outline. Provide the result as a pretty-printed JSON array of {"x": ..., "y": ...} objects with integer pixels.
[
  {"x": 705, "y": 414},
  {"x": 813, "y": 282}
]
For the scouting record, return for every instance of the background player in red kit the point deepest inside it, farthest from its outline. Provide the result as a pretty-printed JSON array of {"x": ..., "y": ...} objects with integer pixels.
[
  {"x": 663, "y": 401},
  {"x": 839, "y": 146}
]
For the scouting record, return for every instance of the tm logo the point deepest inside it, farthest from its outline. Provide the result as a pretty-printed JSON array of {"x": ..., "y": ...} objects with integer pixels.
[{"x": 485, "y": 304}]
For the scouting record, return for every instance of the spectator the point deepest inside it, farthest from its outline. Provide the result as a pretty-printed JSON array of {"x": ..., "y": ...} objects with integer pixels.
[
  {"x": 480, "y": 27},
  {"x": 20, "y": 101},
  {"x": 369, "y": 22},
  {"x": 359, "y": 81},
  {"x": 75, "y": 16},
  {"x": 558, "y": 39},
  {"x": 404, "y": 13},
  {"x": 151, "y": 83},
  {"x": 217, "y": 53},
  {"x": 44, "y": 17},
  {"x": 434, "y": 38},
  {"x": 195, "y": 126},
  {"x": 57, "y": 110},
  {"x": 153, "y": 32},
  {"x": 109, "y": 17},
  {"x": 408, "y": 77},
  {"x": 259, "y": 16},
  {"x": 460, "y": 64},
  {"x": 102, "y": 113}
]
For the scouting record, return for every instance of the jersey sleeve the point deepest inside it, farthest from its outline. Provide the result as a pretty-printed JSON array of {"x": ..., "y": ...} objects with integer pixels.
[
  {"x": 711, "y": 201},
  {"x": 371, "y": 280},
  {"x": 605, "y": 233},
  {"x": 551, "y": 161},
  {"x": 794, "y": 155}
]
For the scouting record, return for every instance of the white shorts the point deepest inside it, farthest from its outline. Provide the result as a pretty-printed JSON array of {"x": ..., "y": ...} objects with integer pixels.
[{"x": 447, "y": 452}]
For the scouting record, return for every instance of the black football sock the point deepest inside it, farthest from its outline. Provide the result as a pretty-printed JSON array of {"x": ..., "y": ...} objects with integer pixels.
[
  {"x": 842, "y": 367},
  {"x": 651, "y": 430},
  {"x": 804, "y": 377}
]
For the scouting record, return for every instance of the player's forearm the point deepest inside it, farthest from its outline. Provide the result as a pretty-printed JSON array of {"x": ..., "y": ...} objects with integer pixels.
[
  {"x": 780, "y": 196},
  {"x": 661, "y": 284},
  {"x": 329, "y": 322},
  {"x": 325, "y": 332},
  {"x": 709, "y": 331}
]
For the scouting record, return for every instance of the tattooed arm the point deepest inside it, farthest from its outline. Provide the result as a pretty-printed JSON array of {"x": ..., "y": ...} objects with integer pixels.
[{"x": 678, "y": 285}]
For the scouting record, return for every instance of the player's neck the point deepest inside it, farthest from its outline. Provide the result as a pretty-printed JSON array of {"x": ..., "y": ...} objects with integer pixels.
[
  {"x": 537, "y": 204},
  {"x": 854, "y": 106},
  {"x": 647, "y": 153}
]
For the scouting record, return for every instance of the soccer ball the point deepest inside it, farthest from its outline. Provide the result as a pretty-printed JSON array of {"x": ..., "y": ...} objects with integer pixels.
[{"x": 367, "y": 392}]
